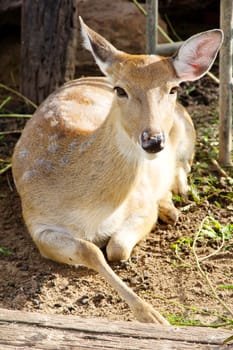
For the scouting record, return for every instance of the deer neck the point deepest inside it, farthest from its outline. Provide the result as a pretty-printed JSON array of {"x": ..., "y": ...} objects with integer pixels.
[{"x": 120, "y": 158}]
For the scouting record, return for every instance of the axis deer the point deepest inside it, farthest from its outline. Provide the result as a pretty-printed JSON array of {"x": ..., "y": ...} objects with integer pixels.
[{"x": 98, "y": 161}]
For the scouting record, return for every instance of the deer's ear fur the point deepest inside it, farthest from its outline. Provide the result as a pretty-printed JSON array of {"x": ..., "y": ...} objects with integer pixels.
[
  {"x": 103, "y": 52},
  {"x": 197, "y": 54}
]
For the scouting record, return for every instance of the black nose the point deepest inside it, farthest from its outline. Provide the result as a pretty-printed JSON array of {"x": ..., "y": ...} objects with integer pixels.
[{"x": 152, "y": 143}]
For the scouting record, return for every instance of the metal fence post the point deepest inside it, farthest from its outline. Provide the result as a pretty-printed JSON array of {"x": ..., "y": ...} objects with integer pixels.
[
  {"x": 151, "y": 25},
  {"x": 225, "y": 93}
]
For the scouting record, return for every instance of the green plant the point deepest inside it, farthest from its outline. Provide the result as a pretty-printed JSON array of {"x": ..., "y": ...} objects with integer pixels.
[
  {"x": 17, "y": 93},
  {"x": 210, "y": 229},
  {"x": 4, "y": 251},
  {"x": 5, "y": 164},
  {"x": 181, "y": 320}
]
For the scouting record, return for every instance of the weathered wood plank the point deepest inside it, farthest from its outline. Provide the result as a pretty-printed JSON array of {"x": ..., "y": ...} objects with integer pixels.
[
  {"x": 46, "y": 338},
  {"x": 22, "y": 330}
]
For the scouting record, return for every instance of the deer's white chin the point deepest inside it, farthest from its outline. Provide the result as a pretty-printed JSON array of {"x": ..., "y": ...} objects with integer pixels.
[{"x": 150, "y": 156}]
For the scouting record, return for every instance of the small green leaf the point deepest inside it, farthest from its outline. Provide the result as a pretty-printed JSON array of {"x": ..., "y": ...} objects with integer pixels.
[
  {"x": 5, "y": 251},
  {"x": 222, "y": 286}
]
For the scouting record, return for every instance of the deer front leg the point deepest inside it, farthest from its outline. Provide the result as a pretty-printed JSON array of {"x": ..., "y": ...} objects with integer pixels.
[
  {"x": 167, "y": 211},
  {"x": 62, "y": 247},
  {"x": 121, "y": 244},
  {"x": 180, "y": 184},
  {"x": 134, "y": 229}
]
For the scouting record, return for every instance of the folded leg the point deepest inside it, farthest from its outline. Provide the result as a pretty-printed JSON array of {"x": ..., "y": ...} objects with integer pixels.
[{"x": 62, "y": 247}]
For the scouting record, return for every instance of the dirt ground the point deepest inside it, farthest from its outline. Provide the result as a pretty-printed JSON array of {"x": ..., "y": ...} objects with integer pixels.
[{"x": 162, "y": 270}]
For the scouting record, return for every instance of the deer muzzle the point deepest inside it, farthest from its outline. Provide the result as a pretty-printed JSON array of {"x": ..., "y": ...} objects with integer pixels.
[{"x": 152, "y": 143}]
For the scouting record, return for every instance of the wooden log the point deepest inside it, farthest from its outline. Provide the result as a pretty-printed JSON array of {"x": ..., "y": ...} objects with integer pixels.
[
  {"x": 49, "y": 39},
  {"x": 23, "y": 330},
  {"x": 225, "y": 93}
]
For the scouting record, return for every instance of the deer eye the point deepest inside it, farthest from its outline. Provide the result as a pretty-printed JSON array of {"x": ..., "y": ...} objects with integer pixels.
[
  {"x": 120, "y": 91},
  {"x": 173, "y": 90}
]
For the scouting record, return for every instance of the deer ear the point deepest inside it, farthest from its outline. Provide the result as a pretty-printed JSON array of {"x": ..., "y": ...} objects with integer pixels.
[
  {"x": 197, "y": 54},
  {"x": 103, "y": 52}
]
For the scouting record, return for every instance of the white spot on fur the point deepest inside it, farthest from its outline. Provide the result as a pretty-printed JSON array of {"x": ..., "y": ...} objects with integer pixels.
[
  {"x": 52, "y": 137},
  {"x": 45, "y": 163},
  {"x": 48, "y": 114},
  {"x": 73, "y": 145},
  {"x": 85, "y": 145},
  {"x": 54, "y": 122},
  {"x": 53, "y": 147},
  {"x": 43, "y": 108},
  {"x": 23, "y": 153},
  {"x": 64, "y": 160},
  {"x": 29, "y": 174}
]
